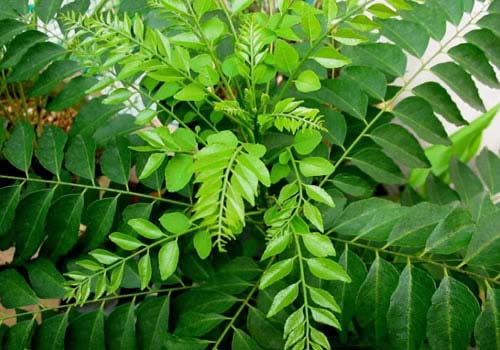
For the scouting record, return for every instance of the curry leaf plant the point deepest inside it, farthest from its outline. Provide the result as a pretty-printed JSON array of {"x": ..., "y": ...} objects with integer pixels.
[{"x": 249, "y": 175}]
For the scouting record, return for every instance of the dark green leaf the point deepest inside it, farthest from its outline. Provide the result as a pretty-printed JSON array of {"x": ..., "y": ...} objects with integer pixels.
[
  {"x": 37, "y": 57},
  {"x": 19, "y": 46},
  {"x": 196, "y": 324},
  {"x": 14, "y": 291},
  {"x": 10, "y": 28},
  {"x": 441, "y": 101},
  {"x": 92, "y": 116},
  {"x": 47, "y": 9},
  {"x": 152, "y": 322},
  {"x": 417, "y": 113},
  {"x": 86, "y": 332},
  {"x": 178, "y": 172},
  {"x": 487, "y": 329},
  {"x": 264, "y": 331},
  {"x": 487, "y": 41},
  {"x": 9, "y": 199},
  {"x": 378, "y": 166},
  {"x": 488, "y": 164},
  {"x": 461, "y": 82},
  {"x": 210, "y": 301},
  {"x": 116, "y": 161},
  {"x": 386, "y": 57},
  {"x": 410, "y": 36},
  {"x": 46, "y": 279},
  {"x": 485, "y": 244},
  {"x": 19, "y": 336},
  {"x": 453, "y": 9},
  {"x": 99, "y": 217},
  {"x": 120, "y": 328},
  {"x": 30, "y": 223},
  {"x": 400, "y": 145},
  {"x": 52, "y": 76},
  {"x": 80, "y": 157},
  {"x": 490, "y": 21},
  {"x": 472, "y": 59},
  {"x": 50, "y": 149},
  {"x": 467, "y": 184},
  {"x": 346, "y": 95},
  {"x": 374, "y": 298},
  {"x": 407, "y": 314},
  {"x": 71, "y": 93},
  {"x": 242, "y": 341},
  {"x": 19, "y": 147},
  {"x": 447, "y": 328},
  {"x": 51, "y": 333},
  {"x": 430, "y": 16},
  {"x": 370, "y": 80}
]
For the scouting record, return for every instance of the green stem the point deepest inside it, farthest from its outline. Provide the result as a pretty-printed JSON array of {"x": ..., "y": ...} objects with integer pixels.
[{"x": 93, "y": 187}]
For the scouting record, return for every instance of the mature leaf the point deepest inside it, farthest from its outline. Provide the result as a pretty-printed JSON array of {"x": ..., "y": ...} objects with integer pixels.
[
  {"x": 92, "y": 116},
  {"x": 197, "y": 324},
  {"x": 369, "y": 79},
  {"x": 400, "y": 145},
  {"x": 346, "y": 95},
  {"x": 386, "y": 57},
  {"x": 408, "y": 35},
  {"x": 276, "y": 272},
  {"x": 9, "y": 199},
  {"x": 460, "y": 82},
  {"x": 50, "y": 149},
  {"x": 152, "y": 322},
  {"x": 471, "y": 58},
  {"x": 37, "y": 57},
  {"x": 116, "y": 161},
  {"x": 19, "y": 336},
  {"x": 47, "y": 9},
  {"x": 10, "y": 28},
  {"x": 51, "y": 333},
  {"x": 46, "y": 279},
  {"x": 30, "y": 223},
  {"x": 487, "y": 329},
  {"x": 467, "y": 184},
  {"x": 242, "y": 341},
  {"x": 488, "y": 164},
  {"x": 99, "y": 217},
  {"x": 120, "y": 328},
  {"x": 430, "y": 16},
  {"x": 264, "y": 331},
  {"x": 80, "y": 157},
  {"x": 378, "y": 166},
  {"x": 345, "y": 293},
  {"x": 86, "y": 332},
  {"x": 374, "y": 298},
  {"x": 487, "y": 41},
  {"x": 63, "y": 224},
  {"x": 52, "y": 76},
  {"x": 407, "y": 314},
  {"x": 490, "y": 21},
  {"x": 210, "y": 301},
  {"x": 19, "y": 46},
  {"x": 485, "y": 243},
  {"x": 18, "y": 149},
  {"x": 447, "y": 328},
  {"x": 441, "y": 101},
  {"x": 417, "y": 114},
  {"x": 14, "y": 291},
  {"x": 71, "y": 93}
]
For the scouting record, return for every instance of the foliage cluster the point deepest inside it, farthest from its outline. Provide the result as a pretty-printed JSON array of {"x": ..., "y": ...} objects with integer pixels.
[{"x": 272, "y": 193}]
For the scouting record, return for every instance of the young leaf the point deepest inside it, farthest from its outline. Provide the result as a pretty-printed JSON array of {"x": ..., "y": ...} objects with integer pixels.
[
  {"x": 319, "y": 195},
  {"x": 313, "y": 214},
  {"x": 307, "y": 81},
  {"x": 120, "y": 328},
  {"x": 146, "y": 228},
  {"x": 315, "y": 166},
  {"x": 318, "y": 245},
  {"x": 14, "y": 291},
  {"x": 446, "y": 328},
  {"x": 324, "y": 299},
  {"x": 284, "y": 298},
  {"x": 286, "y": 57},
  {"x": 178, "y": 172},
  {"x": 175, "y": 222},
  {"x": 328, "y": 57},
  {"x": 168, "y": 258},
  {"x": 191, "y": 92},
  {"x": 202, "y": 243},
  {"x": 19, "y": 147},
  {"x": 306, "y": 141},
  {"x": 407, "y": 314},
  {"x": 50, "y": 149},
  {"x": 276, "y": 272},
  {"x": 152, "y": 321},
  {"x": 154, "y": 161},
  {"x": 374, "y": 299},
  {"x": 276, "y": 246},
  {"x": 145, "y": 270},
  {"x": 327, "y": 269},
  {"x": 125, "y": 241},
  {"x": 325, "y": 317}
]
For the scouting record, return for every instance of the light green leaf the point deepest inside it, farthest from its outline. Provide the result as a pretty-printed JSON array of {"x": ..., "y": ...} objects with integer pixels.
[
  {"x": 306, "y": 141},
  {"x": 146, "y": 228},
  {"x": 154, "y": 161},
  {"x": 417, "y": 113},
  {"x": 284, "y": 298},
  {"x": 324, "y": 299},
  {"x": 175, "y": 222},
  {"x": 311, "y": 25},
  {"x": 315, "y": 166},
  {"x": 276, "y": 246},
  {"x": 313, "y": 214},
  {"x": 125, "y": 241},
  {"x": 168, "y": 258},
  {"x": 178, "y": 172},
  {"x": 329, "y": 58},
  {"x": 80, "y": 157},
  {"x": 318, "y": 245},
  {"x": 447, "y": 328},
  {"x": 460, "y": 82},
  {"x": 276, "y": 272},
  {"x": 378, "y": 166},
  {"x": 327, "y": 269},
  {"x": 285, "y": 56},
  {"x": 307, "y": 81},
  {"x": 191, "y": 92},
  {"x": 240, "y": 5},
  {"x": 19, "y": 147},
  {"x": 202, "y": 243},
  {"x": 374, "y": 299},
  {"x": 325, "y": 317},
  {"x": 441, "y": 101},
  {"x": 145, "y": 270},
  {"x": 407, "y": 314},
  {"x": 319, "y": 195}
]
